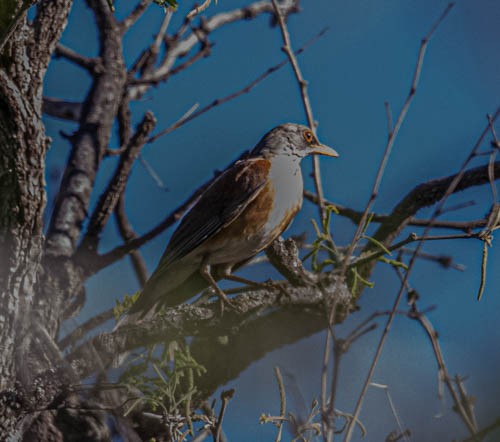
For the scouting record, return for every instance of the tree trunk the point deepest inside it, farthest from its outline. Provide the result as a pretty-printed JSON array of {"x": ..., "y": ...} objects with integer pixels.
[{"x": 26, "y": 52}]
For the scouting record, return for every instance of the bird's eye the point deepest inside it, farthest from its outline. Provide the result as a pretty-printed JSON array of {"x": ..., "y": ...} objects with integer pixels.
[{"x": 308, "y": 136}]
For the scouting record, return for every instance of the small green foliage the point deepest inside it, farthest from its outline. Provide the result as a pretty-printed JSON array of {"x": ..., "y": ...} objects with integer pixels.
[
  {"x": 393, "y": 262},
  {"x": 323, "y": 242},
  {"x": 167, "y": 3},
  {"x": 166, "y": 382},
  {"x": 358, "y": 278},
  {"x": 377, "y": 243},
  {"x": 163, "y": 3},
  {"x": 123, "y": 307},
  {"x": 367, "y": 222}
]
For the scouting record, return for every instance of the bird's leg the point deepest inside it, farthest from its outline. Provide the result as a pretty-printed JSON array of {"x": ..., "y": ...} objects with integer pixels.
[
  {"x": 206, "y": 273},
  {"x": 226, "y": 274},
  {"x": 229, "y": 276}
]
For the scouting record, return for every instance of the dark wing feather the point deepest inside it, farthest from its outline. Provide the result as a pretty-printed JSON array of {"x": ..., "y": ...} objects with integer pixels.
[{"x": 217, "y": 207}]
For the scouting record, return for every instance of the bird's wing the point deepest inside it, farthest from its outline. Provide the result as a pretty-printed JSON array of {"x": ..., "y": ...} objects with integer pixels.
[{"x": 218, "y": 206}]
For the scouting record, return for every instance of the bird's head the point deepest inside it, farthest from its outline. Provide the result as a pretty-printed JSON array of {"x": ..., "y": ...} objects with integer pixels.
[{"x": 291, "y": 139}]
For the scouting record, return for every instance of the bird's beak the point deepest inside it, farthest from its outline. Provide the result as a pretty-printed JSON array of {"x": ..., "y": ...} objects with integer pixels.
[{"x": 321, "y": 149}]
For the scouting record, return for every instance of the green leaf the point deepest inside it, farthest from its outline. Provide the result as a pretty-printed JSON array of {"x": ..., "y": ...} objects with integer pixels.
[
  {"x": 377, "y": 243},
  {"x": 393, "y": 262},
  {"x": 364, "y": 281}
]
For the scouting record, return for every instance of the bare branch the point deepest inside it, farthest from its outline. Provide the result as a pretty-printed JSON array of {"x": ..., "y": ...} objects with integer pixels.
[
  {"x": 391, "y": 139},
  {"x": 135, "y": 15},
  {"x": 287, "y": 48},
  {"x": 92, "y": 65},
  {"x": 180, "y": 47},
  {"x": 355, "y": 216},
  {"x": 461, "y": 407},
  {"x": 225, "y": 397},
  {"x": 430, "y": 193},
  {"x": 199, "y": 9},
  {"x": 91, "y": 139},
  {"x": 127, "y": 233},
  {"x": 83, "y": 330},
  {"x": 65, "y": 110},
  {"x": 119, "y": 252},
  {"x": 236, "y": 94},
  {"x": 109, "y": 199},
  {"x": 197, "y": 320},
  {"x": 481, "y": 434}
]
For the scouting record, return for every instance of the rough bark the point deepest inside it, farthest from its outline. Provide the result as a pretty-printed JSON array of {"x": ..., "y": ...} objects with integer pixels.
[{"x": 23, "y": 143}]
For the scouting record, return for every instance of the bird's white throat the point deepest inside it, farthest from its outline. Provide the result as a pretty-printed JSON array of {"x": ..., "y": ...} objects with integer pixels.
[{"x": 286, "y": 176}]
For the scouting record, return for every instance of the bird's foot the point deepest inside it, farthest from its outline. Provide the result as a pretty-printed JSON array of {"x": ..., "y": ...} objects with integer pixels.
[{"x": 225, "y": 303}]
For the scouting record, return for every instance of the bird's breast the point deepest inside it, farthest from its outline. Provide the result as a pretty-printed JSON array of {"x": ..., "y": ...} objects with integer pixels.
[
  {"x": 264, "y": 219},
  {"x": 285, "y": 178}
]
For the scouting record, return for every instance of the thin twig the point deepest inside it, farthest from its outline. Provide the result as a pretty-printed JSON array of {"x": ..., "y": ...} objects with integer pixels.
[
  {"x": 444, "y": 374},
  {"x": 399, "y": 296},
  {"x": 491, "y": 162},
  {"x": 92, "y": 65},
  {"x": 225, "y": 397},
  {"x": 392, "y": 136},
  {"x": 119, "y": 252},
  {"x": 395, "y": 413},
  {"x": 445, "y": 261},
  {"x": 412, "y": 237},
  {"x": 451, "y": 188},
  {"x": 127, "y": 233},
  {"x": 281, "y": 388},
  {"x": 236, "y": 94},
  {"x": 439, "y": 209},
  {"x": 199, "y": 9},
  {"x": 82, "y": 330},
  {"x": 129, "y": 21},
  {"x": 287, "y": 49},
  {"x": 108, "y": 200},
  {"x": 205, "y": 50},
  {"x": 425, "y": 188},
  {"x": 481, "y": 434},
  {"x": 179, "y": 47},
  {"x": 152, "y": 173}
]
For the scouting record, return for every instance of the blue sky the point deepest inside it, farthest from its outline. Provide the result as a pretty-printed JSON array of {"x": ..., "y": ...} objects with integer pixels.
[{"x": 366, "y": 58}]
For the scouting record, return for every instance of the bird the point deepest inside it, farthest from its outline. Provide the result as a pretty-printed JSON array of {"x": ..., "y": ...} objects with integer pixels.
[{"x": 242, "y": 212}]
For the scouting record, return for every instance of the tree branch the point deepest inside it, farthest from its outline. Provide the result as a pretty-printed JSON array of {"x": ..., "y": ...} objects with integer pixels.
[
  {"x": 127, "y": 233},
  {"x": 109, "y": 199},
  {"x": 355, "y": 217},
  {"x": 180, "y": 47},
  {"x": 102, "y": 261},
  {"x": 135, "y": 15},
  {"x": 91, "y": 139},
  {"x": 65, "y": 110},
  {"x": 428, "y": 194},
  {"x": 287, "y": 49},
  {"x": 92, "y": 65},
  {"x": 236, "y": 94},
  {"x": 205, "y": 322}
]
